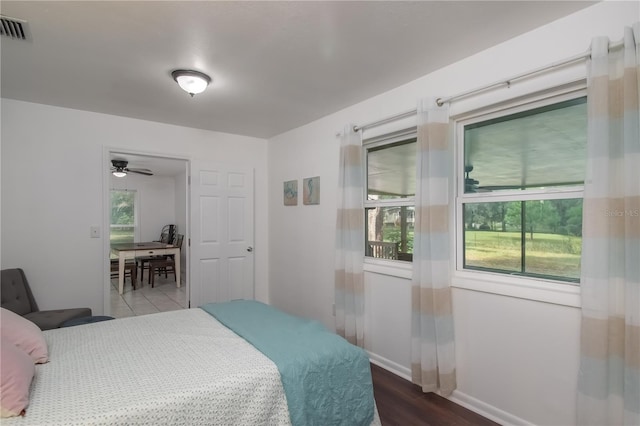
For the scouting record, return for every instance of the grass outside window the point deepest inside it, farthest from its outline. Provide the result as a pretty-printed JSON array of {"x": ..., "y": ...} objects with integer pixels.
[{"x": 549, "y": 245}]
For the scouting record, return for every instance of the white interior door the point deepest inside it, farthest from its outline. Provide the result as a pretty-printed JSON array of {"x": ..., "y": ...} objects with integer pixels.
[{"x": 221, "y": 233}]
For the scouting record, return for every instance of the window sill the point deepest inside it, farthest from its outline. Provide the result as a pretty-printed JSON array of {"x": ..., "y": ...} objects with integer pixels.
[
  {"x": 394, "y": 268},
  {"x": 522, "y": 288},
  {"x": 505, "y": 285}
]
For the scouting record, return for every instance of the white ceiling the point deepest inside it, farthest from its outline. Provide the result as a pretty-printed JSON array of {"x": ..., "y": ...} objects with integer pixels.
[{"x": 275, "y": 65}]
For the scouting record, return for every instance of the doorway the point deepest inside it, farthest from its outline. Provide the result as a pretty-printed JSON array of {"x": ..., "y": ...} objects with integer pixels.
[{"x": 150, "y": 193}]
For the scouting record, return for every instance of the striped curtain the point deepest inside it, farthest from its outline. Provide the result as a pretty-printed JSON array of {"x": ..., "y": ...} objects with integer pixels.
[
  {"x": 349, "y": 280},
  {"x": 609, "y": 378},
  {"x": 432, "y": 343}
]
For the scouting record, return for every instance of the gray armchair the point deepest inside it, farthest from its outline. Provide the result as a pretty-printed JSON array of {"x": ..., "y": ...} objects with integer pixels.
[{"x": 17, "y": 297}]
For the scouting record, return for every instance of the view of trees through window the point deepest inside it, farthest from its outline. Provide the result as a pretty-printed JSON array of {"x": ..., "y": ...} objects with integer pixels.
[
  {"x": 537, "y": 237},
  {"x": 123, "y": 220},
  {"x": 390, "y": 232}
]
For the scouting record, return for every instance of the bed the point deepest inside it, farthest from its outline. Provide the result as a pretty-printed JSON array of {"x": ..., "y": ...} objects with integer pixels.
[{"x": 198, "y": 367}]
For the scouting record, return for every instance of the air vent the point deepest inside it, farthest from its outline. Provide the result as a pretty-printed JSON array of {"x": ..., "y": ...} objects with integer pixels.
[{"x": 14, "y": 28}]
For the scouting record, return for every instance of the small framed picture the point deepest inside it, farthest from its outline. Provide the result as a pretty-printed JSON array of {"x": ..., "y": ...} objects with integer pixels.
[
  {"x": 311, "y": 190},
  {"x": 291, "y": 193}
]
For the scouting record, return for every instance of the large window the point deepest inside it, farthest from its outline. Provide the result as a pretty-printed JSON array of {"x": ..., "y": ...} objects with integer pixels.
[
  {"x": 389, "y": 202},
  {"x": 123, "y": 216},
  {"x": 520, "y": 189}
]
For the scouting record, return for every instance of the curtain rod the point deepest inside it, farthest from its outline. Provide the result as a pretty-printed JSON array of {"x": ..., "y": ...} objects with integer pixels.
[
  {"x": 507, "y": 82},
  {"x": 504, "y": 82},
  {"x": 386, "y": 120}
]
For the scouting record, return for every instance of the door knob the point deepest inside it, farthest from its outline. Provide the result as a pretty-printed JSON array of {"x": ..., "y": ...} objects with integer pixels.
[{"x": 249, "y": 249}]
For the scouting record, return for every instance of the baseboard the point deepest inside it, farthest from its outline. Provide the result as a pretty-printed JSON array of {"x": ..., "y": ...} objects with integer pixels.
[
  {"x": 393, "y": 367},
  {"x": 460, "y": 398},
  {"x": 486, "y": 410}
]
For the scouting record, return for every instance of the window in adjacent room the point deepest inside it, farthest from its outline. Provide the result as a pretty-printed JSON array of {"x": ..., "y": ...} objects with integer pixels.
[
  {"x": 390, "y": 195},
  {"x": 123, "y": 216},
  {"x": 519, "y": 204}
]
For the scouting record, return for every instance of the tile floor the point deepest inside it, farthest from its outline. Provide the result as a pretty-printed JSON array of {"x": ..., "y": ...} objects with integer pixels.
[{"x": 165, "y": 296}]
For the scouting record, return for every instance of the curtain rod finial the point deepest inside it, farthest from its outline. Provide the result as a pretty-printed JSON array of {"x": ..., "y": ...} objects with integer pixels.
[{"x": 439, "y": 102}]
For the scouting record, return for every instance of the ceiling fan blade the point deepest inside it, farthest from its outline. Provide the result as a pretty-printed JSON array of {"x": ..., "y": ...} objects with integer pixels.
[
  {"x": 526, "y": 186},
  {"x": 145, "y": 172},
  {"x": 499, "y": 187}
]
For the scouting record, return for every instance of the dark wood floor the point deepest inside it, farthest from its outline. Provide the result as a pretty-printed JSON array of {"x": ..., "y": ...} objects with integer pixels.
[{"x": 401, "y": 403}]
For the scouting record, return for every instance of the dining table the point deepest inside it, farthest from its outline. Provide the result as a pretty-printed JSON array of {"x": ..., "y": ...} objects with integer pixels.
[{"x": 124, "y": 251}]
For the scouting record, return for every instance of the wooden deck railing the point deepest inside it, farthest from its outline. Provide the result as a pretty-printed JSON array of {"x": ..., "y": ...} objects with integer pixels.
[{"x": 382, "y": 249}]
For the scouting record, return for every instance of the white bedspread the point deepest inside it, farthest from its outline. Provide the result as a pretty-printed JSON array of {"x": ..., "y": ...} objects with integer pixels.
[{"x": 172, "y": 368}]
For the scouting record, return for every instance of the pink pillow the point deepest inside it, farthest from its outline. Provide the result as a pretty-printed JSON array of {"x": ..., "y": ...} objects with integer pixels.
[
  {"x": 24, "y": 334},
  {"x": 16, "y": 373}
]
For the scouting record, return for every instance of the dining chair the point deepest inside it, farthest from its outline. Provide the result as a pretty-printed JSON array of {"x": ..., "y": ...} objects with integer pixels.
[
  {"x": 167, "y": 236},
  {"x": 130, "y": 270},
  {"x": 165, "y": 264}
]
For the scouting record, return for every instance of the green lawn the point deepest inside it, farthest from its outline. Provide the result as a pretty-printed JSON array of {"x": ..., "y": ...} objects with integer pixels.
[
  {"x": 117, "y": 236},
  {"x": 546, "y": 254}
]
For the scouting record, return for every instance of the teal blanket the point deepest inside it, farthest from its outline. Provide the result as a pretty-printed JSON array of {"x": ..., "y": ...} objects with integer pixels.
[{"x": 326, "y": 379}]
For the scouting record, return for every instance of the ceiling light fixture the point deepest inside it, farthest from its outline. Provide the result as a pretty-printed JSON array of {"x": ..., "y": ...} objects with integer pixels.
[
  {"x": 119, "y": 173},
  {"x": 192, "y": 82}
]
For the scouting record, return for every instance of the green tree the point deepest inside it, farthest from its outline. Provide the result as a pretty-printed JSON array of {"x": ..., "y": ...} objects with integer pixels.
[
  {"x": 122, "y": 207},
  {"x": 477, "y": 216},
  {"x": 513, "y": 215},
  {"x": 541, "y": 215},
  {"x": 574, "y": 219},
  {"x": 495, "y": 213}
]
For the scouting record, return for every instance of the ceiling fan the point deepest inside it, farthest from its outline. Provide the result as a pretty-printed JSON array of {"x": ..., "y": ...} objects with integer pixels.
[
  {"x": 470, "y": 184},
  {"x": 120, "y": 169}
]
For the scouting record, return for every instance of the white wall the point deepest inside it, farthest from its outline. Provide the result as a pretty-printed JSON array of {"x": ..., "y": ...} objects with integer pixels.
[
  {"x": 52, "y": 192},
  {"x": 517, "y": 359}
]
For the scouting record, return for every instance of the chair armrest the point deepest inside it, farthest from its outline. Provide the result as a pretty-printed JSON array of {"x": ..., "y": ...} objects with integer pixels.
[{"x": 48, "y": 320}]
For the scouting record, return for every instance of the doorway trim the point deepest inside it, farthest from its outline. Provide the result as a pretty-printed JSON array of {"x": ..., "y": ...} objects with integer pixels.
[{"x": 107, "y": 151}]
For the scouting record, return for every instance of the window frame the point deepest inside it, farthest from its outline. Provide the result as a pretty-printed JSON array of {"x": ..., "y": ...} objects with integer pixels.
[
  {"x": 517, "y": 285},
  {"x": 386, "y": 266}
]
